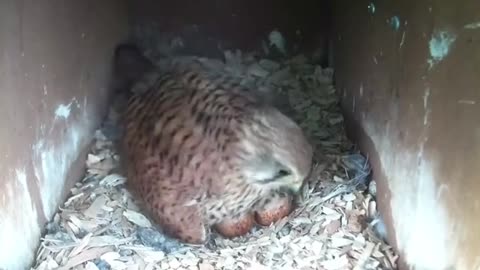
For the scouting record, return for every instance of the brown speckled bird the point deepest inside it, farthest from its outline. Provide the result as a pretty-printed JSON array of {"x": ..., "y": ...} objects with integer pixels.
[{"x": 204, "y": 152}]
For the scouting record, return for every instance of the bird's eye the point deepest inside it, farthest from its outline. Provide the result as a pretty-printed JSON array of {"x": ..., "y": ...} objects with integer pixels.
[
  {"x": 282, "y": 173},
  {"x": 279, "y": 174}
]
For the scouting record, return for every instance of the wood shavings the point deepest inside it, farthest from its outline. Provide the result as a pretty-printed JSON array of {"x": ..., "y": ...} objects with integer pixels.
[
  {"x": 96, "y": 208},
  {"x": 137, "y": 218},
  {"x": 90, "y": 266},
  {"x": 101, "y": 226},
  {"x": 113, "y": 180},
  {"x": 336, "y": 264},
  {"x": 81, "y": 246}
]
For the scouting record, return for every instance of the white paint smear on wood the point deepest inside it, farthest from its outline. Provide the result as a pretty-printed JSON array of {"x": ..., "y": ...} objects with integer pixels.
[
  {"x": 422, "y": 227},
  {"x": 19, "y": 229},
  {"x": 59, "y": 143},
  {"x": 439, "y": 45},
  {"x": 52, "y": 158}
]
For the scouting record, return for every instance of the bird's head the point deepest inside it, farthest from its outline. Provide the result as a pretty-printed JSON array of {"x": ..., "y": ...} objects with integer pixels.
[{"x": 280, "y": 154}]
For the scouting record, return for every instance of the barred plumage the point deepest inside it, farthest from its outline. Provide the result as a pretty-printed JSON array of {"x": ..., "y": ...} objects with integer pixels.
[{"x": 201, "y": 149}]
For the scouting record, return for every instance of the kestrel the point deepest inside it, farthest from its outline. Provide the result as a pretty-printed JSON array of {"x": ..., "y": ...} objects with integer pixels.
[{"x": 203, "y": 151}]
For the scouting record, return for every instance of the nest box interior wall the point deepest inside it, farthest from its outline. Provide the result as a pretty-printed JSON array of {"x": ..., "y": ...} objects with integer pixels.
[
  {"x": 209, "y": 28},
  {"x": 409, "y": 75},
  {"x": 54, "y": 69}
]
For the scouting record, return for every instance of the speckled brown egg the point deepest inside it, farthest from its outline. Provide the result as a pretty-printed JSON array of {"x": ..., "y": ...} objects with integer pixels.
[
  {"x": 231, "y": 228},
  {"x": 273, "y": 210}
]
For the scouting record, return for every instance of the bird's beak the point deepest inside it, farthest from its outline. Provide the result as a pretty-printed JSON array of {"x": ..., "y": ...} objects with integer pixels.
[{"x": 296, "y": 188}]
